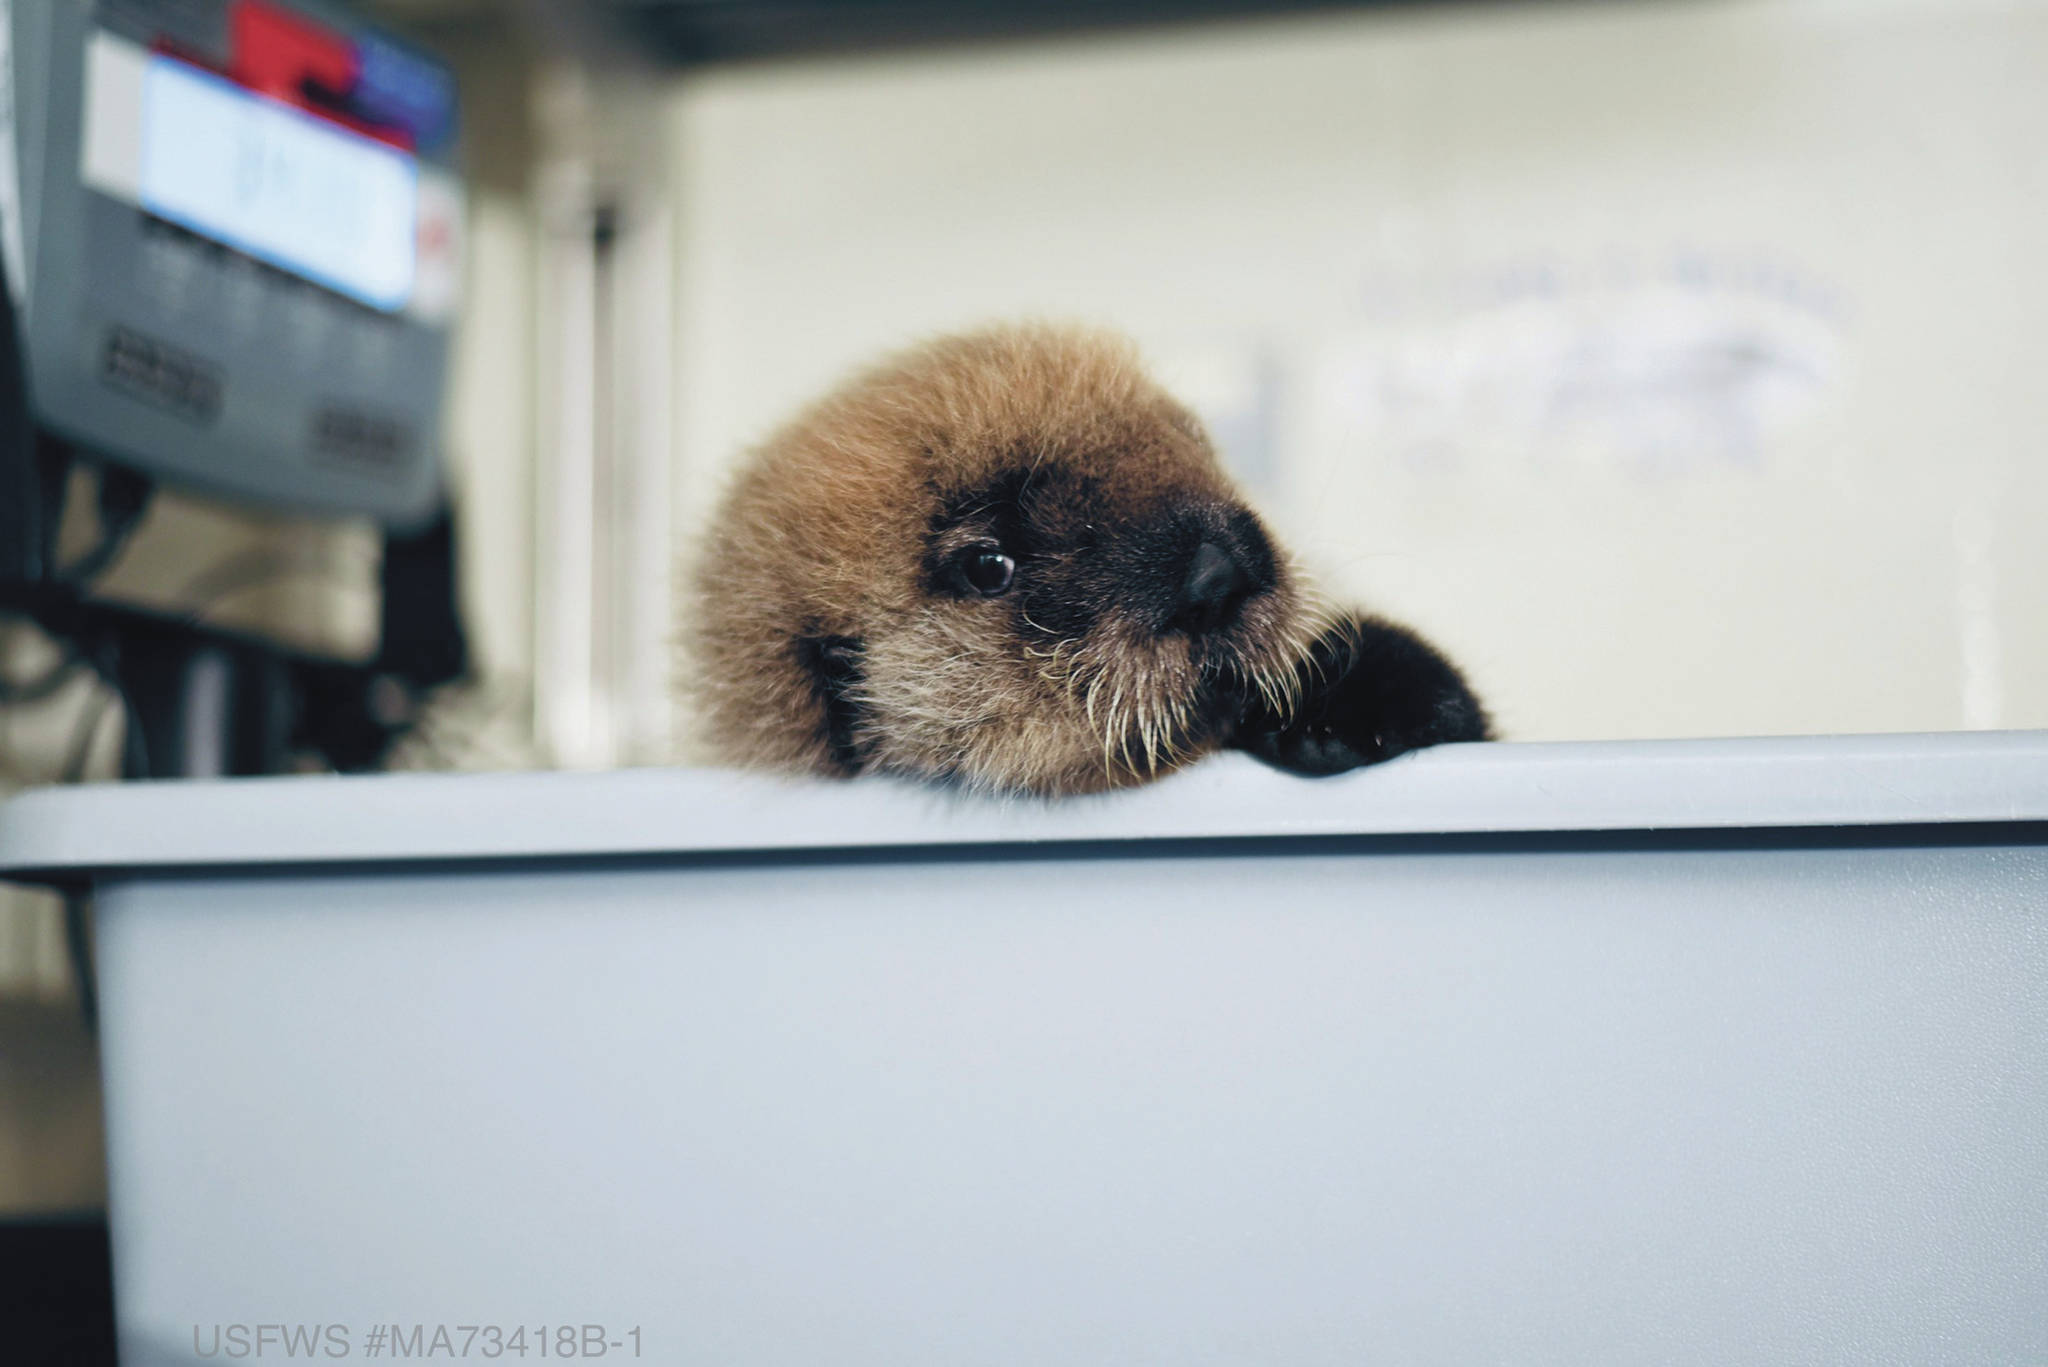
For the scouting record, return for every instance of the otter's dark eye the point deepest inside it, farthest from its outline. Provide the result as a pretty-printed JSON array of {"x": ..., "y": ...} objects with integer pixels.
[{"x": 988, "y": 572}]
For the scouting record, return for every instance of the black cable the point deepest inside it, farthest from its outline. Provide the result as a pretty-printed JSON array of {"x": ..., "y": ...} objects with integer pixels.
[
  {"x": 124, "y": 497},
  {"x": 78, "y": 949},
  {"x": 134, "y": 744},
  {"x": 106, "y": 662},
  {"x": 22, "y": 534}
]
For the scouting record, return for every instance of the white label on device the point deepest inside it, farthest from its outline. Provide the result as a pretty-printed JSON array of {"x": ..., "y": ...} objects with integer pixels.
[{"x": 110, "y": 152}]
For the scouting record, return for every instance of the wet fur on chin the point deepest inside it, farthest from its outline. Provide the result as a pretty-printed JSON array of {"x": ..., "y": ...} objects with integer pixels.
[{"x": 851, "y": 611}]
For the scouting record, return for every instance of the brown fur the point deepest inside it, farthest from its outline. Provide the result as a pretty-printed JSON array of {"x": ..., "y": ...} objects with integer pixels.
[{"x": 832, "y": 527}]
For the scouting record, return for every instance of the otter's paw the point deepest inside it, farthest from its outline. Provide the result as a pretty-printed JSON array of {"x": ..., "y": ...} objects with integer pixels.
[{"x": 1369, "y": 691}]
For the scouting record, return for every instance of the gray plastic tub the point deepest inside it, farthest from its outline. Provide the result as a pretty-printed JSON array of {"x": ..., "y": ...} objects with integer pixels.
[{"x": 1702, "y": 1052}]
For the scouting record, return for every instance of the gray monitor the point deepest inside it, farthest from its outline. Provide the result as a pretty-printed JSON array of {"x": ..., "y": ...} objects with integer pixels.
[{"x": 232, "y": 230}]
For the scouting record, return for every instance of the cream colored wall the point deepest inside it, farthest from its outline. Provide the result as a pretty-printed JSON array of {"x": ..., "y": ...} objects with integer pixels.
[{"x": 1677, "y": 364}]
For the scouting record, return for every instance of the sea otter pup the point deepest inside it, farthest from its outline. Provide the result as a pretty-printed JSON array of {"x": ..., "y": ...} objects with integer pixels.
[{"x": 1009, "y": 560}]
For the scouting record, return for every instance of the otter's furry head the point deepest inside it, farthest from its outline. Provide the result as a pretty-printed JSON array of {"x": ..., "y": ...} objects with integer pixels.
[{"x": 1007, "y": 559}]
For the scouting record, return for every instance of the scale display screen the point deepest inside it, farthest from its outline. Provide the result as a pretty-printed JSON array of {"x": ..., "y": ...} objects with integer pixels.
[
  {"x": 305, "y": 194},
  {"x": 245, "y": 247}
]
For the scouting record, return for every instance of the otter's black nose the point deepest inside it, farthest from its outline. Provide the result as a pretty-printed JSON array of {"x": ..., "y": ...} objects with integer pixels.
[{"x": 1215, "y": 587}]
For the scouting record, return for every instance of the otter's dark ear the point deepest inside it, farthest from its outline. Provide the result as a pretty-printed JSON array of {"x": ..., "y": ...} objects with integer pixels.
[
  {"x": 1369, "y": 691},
  {"x": 837, "y": 667}
]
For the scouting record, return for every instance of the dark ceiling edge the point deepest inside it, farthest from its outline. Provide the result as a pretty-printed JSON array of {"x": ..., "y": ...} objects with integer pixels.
[{"x": 698, "y": 33}]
